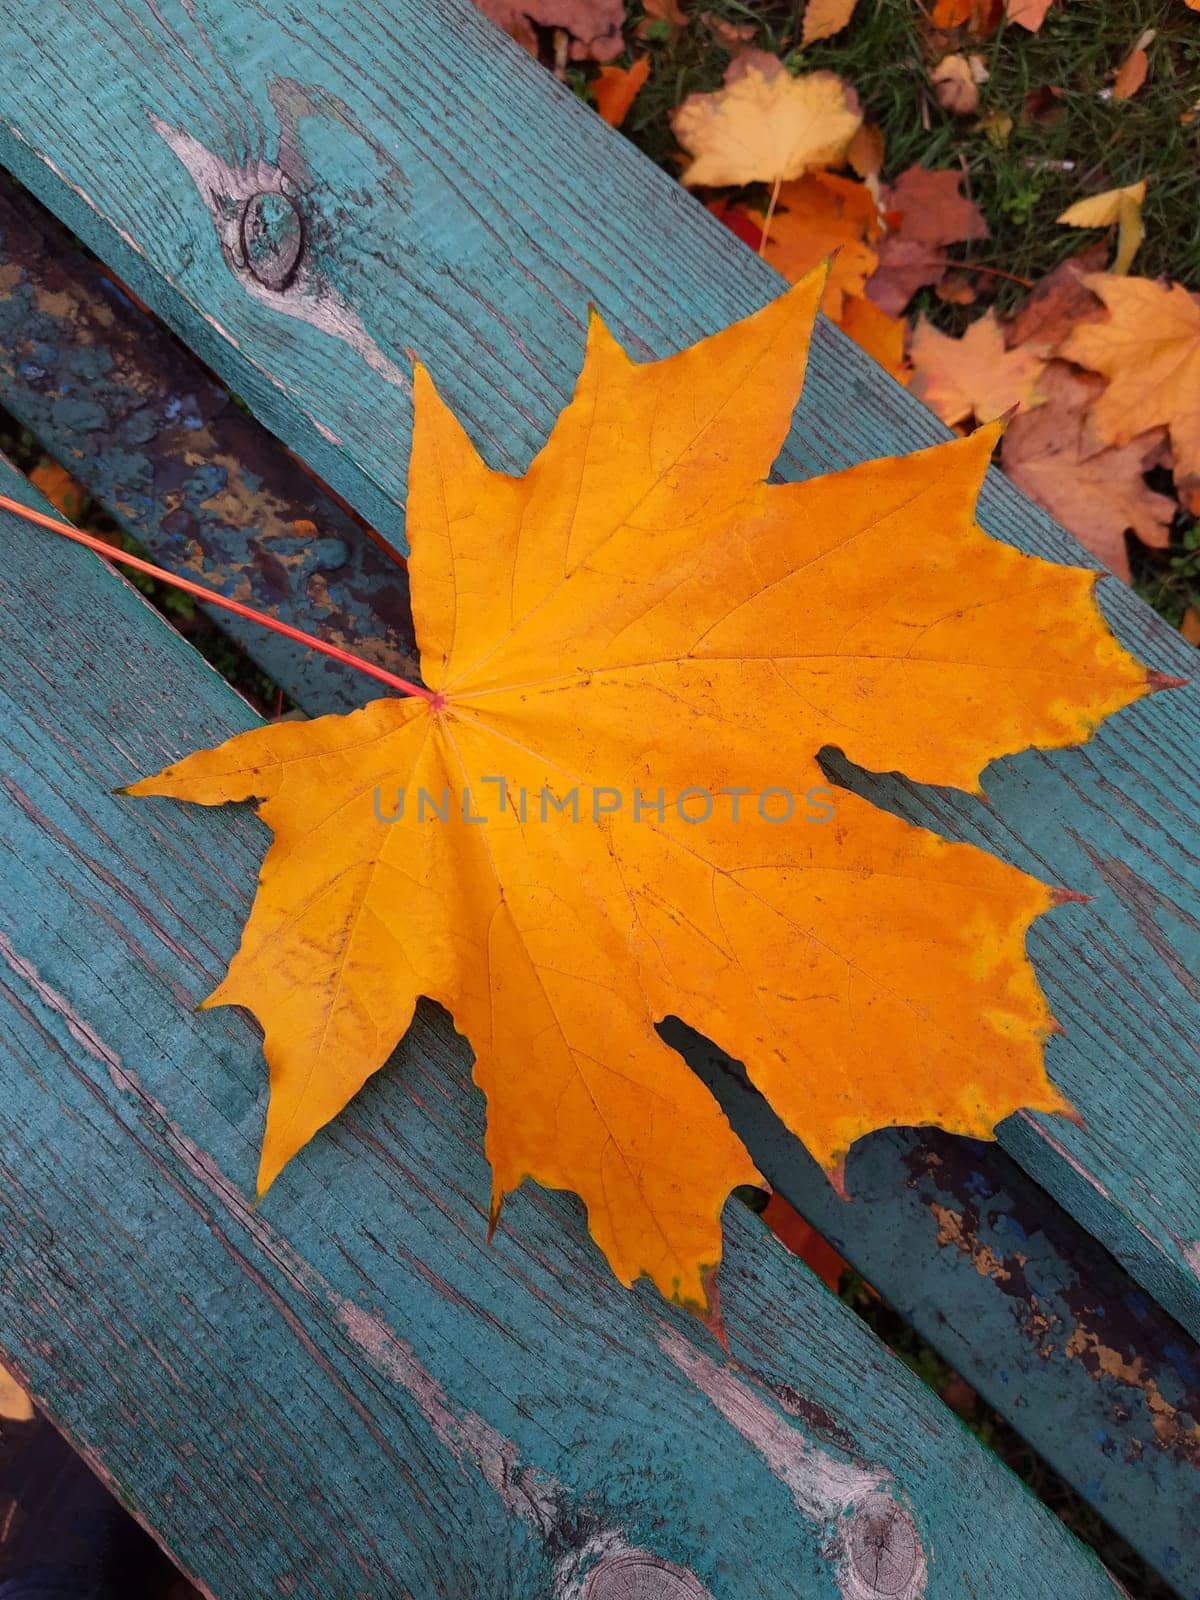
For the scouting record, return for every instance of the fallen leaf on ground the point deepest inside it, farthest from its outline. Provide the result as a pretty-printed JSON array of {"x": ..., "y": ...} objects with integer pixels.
[
  {"x": 1190, "y": 626},
  {"x": 594, "y": 26},
  {"x": 643, "y": 611},
  {"x": 15, "y": 1404},
  {"x": 667, "y": 11},
  {"x": 1042, "y": 107},
  {"x": 954, "y": 85},
  {"x": 926, "y": 212},
  {"x": 974, "y": 376},
  {"x": 1149, "y": 350},
  {"x": 733, "y": 36},
  {"x": 738, "y": 220},
  {"x": 616, "y": 88},
  {"x": 864, "y": 153},
  {"x": 957, "y": 289},
  {"x": 816, "y": 216},
  {"x": 63, "y": 491},
  {"x": 765, "y": 126},
  {"x": 1095, "y": 491},
  {"x": 803, "y": 1240},
  {"x": 1057, "y": 303},
  {"x": 981, "y": 16},
  {"x": 1132, "y": 74},
  {"x": 881, "y": 336},
  {"x": 824, "y": 18},
  {"x": 1028, "y": 13},
  {"x": 1122, "y": 206}
]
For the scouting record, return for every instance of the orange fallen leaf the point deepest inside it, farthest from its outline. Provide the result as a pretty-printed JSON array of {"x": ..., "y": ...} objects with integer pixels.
[
  {"x": 1190, "y": 626},
  {"x": 592, "y": 26},
  {"x": 1096, "y": 491},
  {"x": 616, "y": 88},
  {"x": 765, "y": 126},
  {"x": 824, "y": 18},
  {"x": 1149, "y": 350},
  {"x": 1057, "y": 303},
  {"x": 974, "y": 376},
  {"x": 667, "y": 11},
  {"x": 957, "y": 289},
  {"x": 15, "y": 1404},
  {"x": 1132, "y": 74},
  {"x": 1028, "y": 13},
  {"x": 1122, "y": 206},
  {"x": 881, "y": 336},
  {"x": 803, "y": 1240},
  {"x": 643, "y": 611},
  {"x": 816, "y": 216},
  {"x": 954, "y": 86},
  {"x": 864, "y": 153},
  {"x": 981, "y": 16},
  {"x": 60, "y": 488},
  {"x": 926, "y": 212}
]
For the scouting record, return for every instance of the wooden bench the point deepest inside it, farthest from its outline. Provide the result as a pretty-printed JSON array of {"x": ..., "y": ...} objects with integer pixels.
[{"x": 346, "y": 1391}]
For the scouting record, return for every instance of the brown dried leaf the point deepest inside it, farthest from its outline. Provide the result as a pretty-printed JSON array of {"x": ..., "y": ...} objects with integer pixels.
[
  {"x": 594, "y": 26},
  {"x": 926, "y": 212},
  {"x": 1054, "y": 456},
  {"x": 1058, "y": 303}
]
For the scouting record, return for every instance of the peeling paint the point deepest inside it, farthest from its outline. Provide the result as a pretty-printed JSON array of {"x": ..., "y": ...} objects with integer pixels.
[{"x": 875, "y": 1541}]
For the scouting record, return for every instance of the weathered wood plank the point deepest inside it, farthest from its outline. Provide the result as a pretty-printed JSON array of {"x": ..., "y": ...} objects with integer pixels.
[
  {"x": 456, "y": 201},
  {"x": 1099, "y": 1380},
  {"x": 1019, "y": 1299},
  {"x": 168, "y": 452},
  {"x": 346, "y": 1391}
]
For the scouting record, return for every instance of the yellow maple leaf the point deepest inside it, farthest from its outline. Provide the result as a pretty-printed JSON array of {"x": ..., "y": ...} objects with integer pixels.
[
  {"x": 641, "y": 632},
  {"x": 974, "y": 376},
  {"x": 765, "y": 126},
  {"x": 1149, "y": 350},
  {"x": 824, "y": 18},
  {"x": 1122, "y": 206}
]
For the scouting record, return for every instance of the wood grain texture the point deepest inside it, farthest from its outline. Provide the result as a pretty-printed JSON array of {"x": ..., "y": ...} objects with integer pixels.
[
  {"x": 171, "y": 456},
  {"x": 1018, "y": 1298},
  {"x": 346, "y": 1390},
  {"x": 458, "y": 202}
]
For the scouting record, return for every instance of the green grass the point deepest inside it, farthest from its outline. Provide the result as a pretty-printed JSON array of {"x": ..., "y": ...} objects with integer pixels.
[{"x": 1092, "y": 143}]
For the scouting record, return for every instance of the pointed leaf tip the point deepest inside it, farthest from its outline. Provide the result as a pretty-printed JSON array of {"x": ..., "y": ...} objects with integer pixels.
[
  {"x": 837, "y": 1180},
  {"x": 1163, "y": 680},
  {"x": 1062, "y": 897}
]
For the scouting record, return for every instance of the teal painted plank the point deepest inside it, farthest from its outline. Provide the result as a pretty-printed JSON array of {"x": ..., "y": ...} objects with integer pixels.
[
  {"x": 1000, "y": 1280},
  {"x": 345, "y": 1390},
  {"x": 1019, "y": 1300},
  {"x": 457, "y": 202}
]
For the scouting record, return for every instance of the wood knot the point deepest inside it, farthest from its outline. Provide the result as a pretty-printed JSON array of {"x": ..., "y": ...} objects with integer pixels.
[
  {"x": 883, "y": 1552},
  {"x": 272, "y": 238},
  {"x": 637, "y": 1575}
]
